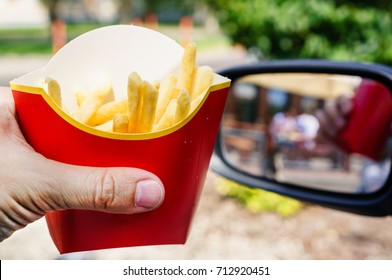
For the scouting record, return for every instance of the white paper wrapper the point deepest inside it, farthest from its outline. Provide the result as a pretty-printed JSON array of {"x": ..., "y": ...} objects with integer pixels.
[{"x": 112, "y": 53}]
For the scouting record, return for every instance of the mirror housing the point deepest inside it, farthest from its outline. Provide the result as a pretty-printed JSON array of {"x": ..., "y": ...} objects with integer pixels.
[{"x": 378, "y": 203}]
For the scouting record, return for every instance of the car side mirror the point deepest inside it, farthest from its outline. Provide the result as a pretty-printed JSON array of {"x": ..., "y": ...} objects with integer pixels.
[{"x": 318, "y": 131}]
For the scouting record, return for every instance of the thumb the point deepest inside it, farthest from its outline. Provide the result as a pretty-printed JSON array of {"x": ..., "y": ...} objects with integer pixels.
[{"x": 113, "y": 190}]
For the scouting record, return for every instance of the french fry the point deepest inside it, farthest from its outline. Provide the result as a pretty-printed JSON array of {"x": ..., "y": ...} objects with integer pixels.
[
  {"x": 54, "y": 91},
  {"x": 196, "y": 102},
  {"x": 148, "y": 108},
  {"x": 80, "y": 97},
  {"x": 109, "y": 97},
  {"x": 202, "y": 81},
  {"x": 156, "y": 84},
  {"x": 187, "y": 68},
  {"x": 108, "y": 126},
  {"x": 167, "y": 91},
  {"x": 120, "y": 123},
  {"x": 183, "y": 106},
  {"x": 107, "y": 111},
  {"x": 92, "y": 102},
  {"x": 168, "y": 116},
  {"x": 134, "y": 101}
]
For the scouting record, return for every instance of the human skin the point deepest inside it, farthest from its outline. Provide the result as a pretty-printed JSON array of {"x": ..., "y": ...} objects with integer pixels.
[
  {"x": 32, "y": 185},
  {"x": 333, "y": 117}
]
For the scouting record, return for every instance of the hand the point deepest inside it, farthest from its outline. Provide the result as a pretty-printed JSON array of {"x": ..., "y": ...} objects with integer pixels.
[
  {"x": 333, "y": 117},
  {"x": 32, "y": 185}
]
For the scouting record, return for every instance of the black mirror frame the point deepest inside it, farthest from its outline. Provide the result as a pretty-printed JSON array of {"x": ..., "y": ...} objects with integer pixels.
[{"x": 374, "y": 204}]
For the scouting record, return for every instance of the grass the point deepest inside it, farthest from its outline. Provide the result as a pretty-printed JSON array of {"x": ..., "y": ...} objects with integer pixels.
[
  {"x": 22, "y": 46},
  {"x": 38, "y": 40},
  {"x": 22, "y": 32},
  {"x": 21, "y": 41},
  {"x": 257, "y": 200},
  {"x": 212, "y": 42}
]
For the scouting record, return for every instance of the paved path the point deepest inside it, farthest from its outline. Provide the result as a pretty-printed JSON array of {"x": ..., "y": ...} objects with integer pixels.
[
  {"x": 13, "y": 66},
  {"x": 223, "y": 229}
]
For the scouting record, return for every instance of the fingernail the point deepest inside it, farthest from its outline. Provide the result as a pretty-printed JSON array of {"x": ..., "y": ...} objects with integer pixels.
[{"x": 149, "y": 194}]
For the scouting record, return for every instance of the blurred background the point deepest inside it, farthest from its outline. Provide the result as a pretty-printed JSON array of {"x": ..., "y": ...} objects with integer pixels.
[{"x": 232, "y": 221}]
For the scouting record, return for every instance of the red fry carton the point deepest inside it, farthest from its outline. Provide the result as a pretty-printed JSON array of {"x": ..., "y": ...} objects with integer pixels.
[
  {"x": 369, "y": 124},
  {"x": 178, "y": 155}
]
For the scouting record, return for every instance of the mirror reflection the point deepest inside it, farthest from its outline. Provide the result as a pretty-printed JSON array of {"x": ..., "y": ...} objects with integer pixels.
[{"x": 324, "y": 131}]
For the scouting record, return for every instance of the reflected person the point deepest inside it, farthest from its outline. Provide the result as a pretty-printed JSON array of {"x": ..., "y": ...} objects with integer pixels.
[{"x": 333, "y": 118}]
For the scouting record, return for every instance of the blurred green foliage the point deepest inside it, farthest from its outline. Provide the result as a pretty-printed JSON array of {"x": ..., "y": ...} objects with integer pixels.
[
  {"x": 257, "y": 200},
  {"x": 36, "y": 40},
  {"x": 334, "y": 29}
]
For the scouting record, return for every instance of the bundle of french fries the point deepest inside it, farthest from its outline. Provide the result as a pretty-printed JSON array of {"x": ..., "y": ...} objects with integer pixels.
[{"x": 149, "y": 106}]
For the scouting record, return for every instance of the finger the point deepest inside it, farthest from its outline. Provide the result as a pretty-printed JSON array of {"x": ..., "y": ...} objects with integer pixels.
[
  {"x": 326, "y": 130},
  {"x": 113, "y": 190},
  {"x": 345, "y": 105},
  {"x": 335, "y": 117},
  {"x": 7, "y": 107},
  {"x": 9, "y": 128}
]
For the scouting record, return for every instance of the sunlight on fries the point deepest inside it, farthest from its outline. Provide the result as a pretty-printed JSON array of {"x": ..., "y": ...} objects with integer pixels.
[
  {"x": 167, "y": 91},
  {"x": 107, "y": 111},
  {"x": 80, "y": 97},
  {"x": 167, "y": 119},
  {"x": 148, "y": 106},
  {"x": 54, "y": 91},
  {"x": 134, "y": 101},
  {"x": 202, "y": 81},
  {"x": 92, "y": 102},
  {"x": 187, "y": 68},
  {"x": 120, "y": 123},
  {"x": 147, "y": 110},
  {"x": 183, "y": 106}
]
